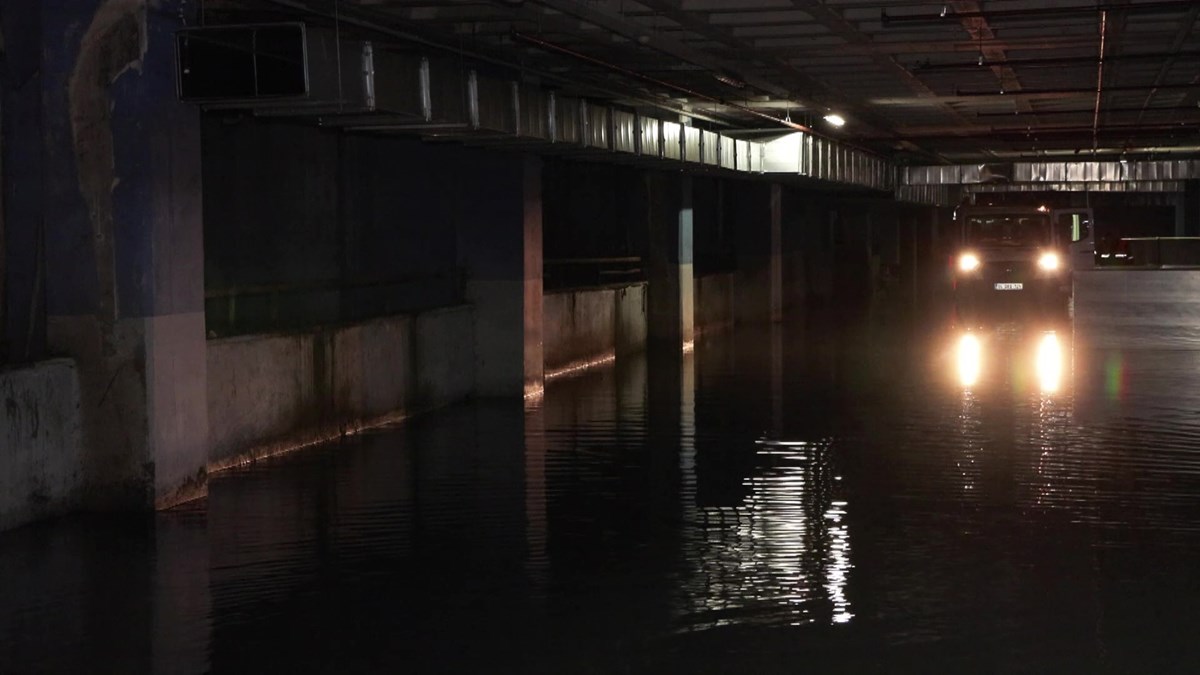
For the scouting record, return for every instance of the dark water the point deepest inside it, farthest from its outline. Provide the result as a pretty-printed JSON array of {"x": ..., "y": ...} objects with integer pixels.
[{"x": 815, "y": 498}]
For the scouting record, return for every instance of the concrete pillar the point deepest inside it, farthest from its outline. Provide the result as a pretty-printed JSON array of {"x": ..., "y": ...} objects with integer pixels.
[
  {"x": 670, "y": 301},
  {"x": 1191, "y": 208},
  {"x": 1180, "y": 215},
  {"x": 500, "y": 252},
  {"x": 759, "y": 294},
  {"x": 114, "y": 222}
]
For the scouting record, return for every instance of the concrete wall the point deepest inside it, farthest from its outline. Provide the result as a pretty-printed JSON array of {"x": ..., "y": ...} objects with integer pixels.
[
  {"x": 1138, "y": 308},
  {"x": 590, "y": 211},
  {"x": 631, "y": 319},
  {"x": 714, "y": 301},
  {"x": 41, "y": 452},
  {"x": 589, "y": 324},
  {"x": 271, "y": 392},
  {"x": 305, "y": 225}
]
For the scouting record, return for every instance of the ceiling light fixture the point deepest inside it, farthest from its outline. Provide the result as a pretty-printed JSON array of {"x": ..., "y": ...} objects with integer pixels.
[
  {"x": 835, "y": 119},
  {"x": 729, "y": 80}
]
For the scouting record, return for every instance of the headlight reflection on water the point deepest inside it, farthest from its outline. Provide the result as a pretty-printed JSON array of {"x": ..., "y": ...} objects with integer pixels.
[
  {"x": 1049, "y": 363},
  {"x": 970, "y": 359}
]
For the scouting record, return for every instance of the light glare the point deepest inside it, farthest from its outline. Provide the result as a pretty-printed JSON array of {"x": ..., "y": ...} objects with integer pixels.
[
  {"x": 1048, "y": 261},
  {"x": 835, "y": 119},
  {"x": 1049, "y": 363},
  {"x": 968, "y": 262},
  {"x": 970, "y": 359}
]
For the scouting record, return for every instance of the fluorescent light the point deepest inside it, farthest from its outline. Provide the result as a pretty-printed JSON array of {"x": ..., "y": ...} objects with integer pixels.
[{"x": 835, "y": 119}]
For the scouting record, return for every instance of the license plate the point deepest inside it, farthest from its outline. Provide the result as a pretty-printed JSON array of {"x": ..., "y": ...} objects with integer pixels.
[{"x": 1010, "y": 287}]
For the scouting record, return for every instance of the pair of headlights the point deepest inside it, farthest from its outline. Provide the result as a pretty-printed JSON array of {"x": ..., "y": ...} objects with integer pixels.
[{"x": 1048, "y": 261}]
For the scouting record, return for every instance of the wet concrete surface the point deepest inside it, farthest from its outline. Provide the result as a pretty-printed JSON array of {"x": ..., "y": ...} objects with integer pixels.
[{"x": 826, "y": 496}]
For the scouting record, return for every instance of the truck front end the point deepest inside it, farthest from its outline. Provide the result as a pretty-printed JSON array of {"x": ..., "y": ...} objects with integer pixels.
[{"x": 1009, "y": 262}]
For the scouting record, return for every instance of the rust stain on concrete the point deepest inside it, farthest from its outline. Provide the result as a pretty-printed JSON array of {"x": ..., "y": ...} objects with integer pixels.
[
  {"x": 113, "y": 43},
  {"x": 110, "y": 354}
]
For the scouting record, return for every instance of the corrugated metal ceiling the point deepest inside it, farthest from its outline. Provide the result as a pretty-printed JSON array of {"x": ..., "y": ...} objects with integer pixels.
[{"x": 907, "y": 75}]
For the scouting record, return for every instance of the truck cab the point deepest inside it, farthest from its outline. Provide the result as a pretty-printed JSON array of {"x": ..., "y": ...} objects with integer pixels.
[{"x": 1011, "y": 259}]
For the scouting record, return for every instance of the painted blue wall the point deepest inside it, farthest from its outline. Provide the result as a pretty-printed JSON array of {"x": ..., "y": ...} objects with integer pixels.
[{"x": 50, "y": 229}]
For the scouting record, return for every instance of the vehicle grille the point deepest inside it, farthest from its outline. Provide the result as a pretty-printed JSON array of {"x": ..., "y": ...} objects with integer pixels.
[{"x": 1008, "y": 270}]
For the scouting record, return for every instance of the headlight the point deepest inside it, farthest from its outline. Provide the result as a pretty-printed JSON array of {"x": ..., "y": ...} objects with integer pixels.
[
  {"x": 968, "y": 262},
  {"x": 1048, "y": 261}
]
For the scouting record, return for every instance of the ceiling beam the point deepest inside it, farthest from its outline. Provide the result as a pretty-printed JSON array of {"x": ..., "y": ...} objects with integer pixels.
[
  {"x": 835, "y": 23},
  {"x": 899, "y": 47},
  {"x": 809, "y": 92},
  {"x": 1181, "y": 35},
  {"x": 641, "y": 35}
]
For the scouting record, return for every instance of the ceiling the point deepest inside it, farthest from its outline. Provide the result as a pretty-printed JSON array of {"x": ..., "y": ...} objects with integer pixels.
[{"x": 918, "y": 82}]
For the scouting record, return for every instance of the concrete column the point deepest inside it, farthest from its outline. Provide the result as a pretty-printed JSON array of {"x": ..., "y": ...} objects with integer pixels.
[
  {"x": 1191, "y": 208},
  {"x": 1180, "y": 215},
  {"x": 670, "y": 301},
  {"x": 759, "y": 294},
  {"x": 114, "y": 221},
  {"x": 500, "y": 252}
]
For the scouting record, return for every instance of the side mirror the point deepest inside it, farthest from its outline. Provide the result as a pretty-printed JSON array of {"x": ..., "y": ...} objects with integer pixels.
[{"x": 1081, "y": 232}]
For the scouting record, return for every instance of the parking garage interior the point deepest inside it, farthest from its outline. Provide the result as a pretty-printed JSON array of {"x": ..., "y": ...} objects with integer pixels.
[{"x": 594, "y": 336}]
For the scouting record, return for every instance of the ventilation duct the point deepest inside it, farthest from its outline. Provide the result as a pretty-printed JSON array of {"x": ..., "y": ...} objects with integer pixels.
[
  {"x": 1154, "y": 173},
  {"x": 290, "y": 69},
  {"x": 294, "y": 69}
]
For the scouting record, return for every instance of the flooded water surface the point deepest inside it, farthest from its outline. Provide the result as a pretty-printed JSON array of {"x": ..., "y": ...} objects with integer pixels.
[{"x": 822, "y": 496}]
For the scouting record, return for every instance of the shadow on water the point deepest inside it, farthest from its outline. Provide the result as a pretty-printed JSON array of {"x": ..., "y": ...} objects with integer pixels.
[{"x": 839, "y": 496}]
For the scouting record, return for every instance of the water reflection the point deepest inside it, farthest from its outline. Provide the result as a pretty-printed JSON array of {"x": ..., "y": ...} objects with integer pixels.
[
  {"x": 1049, "y": 363},
  {"x": 780, "y": 557},
  {"x": 767, "y": 537},
  {"x": 1046, "y": 365},
  {"x": 969, "y": 424},
  {"x": 970, "y": 359},
  {"x": 840, "y": 501}
]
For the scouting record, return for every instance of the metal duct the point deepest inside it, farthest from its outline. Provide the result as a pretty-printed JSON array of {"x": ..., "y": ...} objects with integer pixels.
[
  {"x": 672, "y": 135},
  {"x": 725, "y": 153},
  {"x": 691, "y": 145},
  {"x": 818, "y": 158},
  {"x": 534, "y": 114},
  {"x": 568, "y": 120},
  {"x": 1056, "y": 172},
  {"x": 741, "y": 155},
  {"x": 291, "y": 69},
  {"x": 596, "y": 132},
  {"x": 930, "y": 195},
  {"x": 709, "y": 147},
  {"x": 649, "y": 137},
  {"x": 349, "y": 84},
  {"x": 1128, "y": 186},
  {"x": 625, "y": 131}
]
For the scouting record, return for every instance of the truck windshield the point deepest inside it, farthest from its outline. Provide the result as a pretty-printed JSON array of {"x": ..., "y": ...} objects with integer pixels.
[{"x": 1008, "y": 229}]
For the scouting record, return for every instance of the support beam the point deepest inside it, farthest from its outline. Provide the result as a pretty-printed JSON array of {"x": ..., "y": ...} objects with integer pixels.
[
  {"x": 1191, "y": 209},
  {"x": 670, "y": 302},
  {"x": 107, "y": 207},
  {"x": 758, "y": 213},
  {"x": 500, "y": 252}
]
